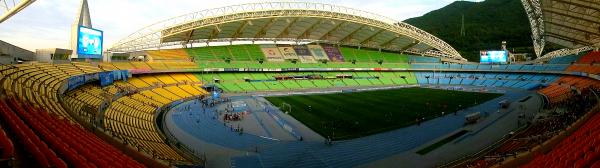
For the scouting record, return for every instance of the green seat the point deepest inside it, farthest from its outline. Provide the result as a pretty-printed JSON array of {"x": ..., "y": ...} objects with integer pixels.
[
  {"x": 239, "y": 53},
  {"x": 260, "y": 86},
  {"x": 221, "y": 52},
  {"x": 375, "y": 81},
  {"x": 246, "y": 86},
  {"x": 231, "y": 87},
  {"x": 338, "y": 83},
  {"x": 274, "y": 85},
  {"x": 350, "y": 82},
  {"x": 290, "y": 84},
  {"x": 305, "y": 84},
  {"x": 322, "y": 83},
  {"x": 254, "y": 52}
]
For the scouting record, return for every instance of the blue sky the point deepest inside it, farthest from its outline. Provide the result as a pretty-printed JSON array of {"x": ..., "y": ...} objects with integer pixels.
[{"x": 47, "y": 23}]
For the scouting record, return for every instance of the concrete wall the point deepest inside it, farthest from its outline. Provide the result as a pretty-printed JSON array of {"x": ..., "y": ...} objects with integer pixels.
[
  {"x": 52, "y": 55},
  {"x": 9, "y": 53}
]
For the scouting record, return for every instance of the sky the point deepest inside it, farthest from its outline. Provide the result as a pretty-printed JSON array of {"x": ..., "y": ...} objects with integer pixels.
[{"x": 47, "y": 23}]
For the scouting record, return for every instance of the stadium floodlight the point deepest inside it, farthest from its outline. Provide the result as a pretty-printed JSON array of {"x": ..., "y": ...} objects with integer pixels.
[{"x": 12, "y": 7}]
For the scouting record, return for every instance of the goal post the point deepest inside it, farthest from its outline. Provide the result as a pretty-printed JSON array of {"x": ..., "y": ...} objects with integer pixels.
[{"x": 286, "y": 108}]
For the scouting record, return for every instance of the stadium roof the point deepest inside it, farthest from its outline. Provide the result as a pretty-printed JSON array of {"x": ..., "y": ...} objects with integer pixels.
[
  {"x": 8, "y": 8},
  {"x": 288, "y": 21},
  {"x": 574, "y": 24}
]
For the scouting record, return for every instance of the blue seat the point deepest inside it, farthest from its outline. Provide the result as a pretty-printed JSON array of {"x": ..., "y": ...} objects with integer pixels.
[
  {"x": 564, "y": 60},
  {"x": 484, "y": 67},
  {"x": 421, "y": 59},
  {"x": 514, "y": 67}
]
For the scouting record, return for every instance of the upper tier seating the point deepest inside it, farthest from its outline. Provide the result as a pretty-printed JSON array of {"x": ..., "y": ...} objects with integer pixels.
[
  {"x": 157, "y": 65},
  {"x": 350, "y": 54},
  {"x": 513, "y": 67},
  {"x": 140, "y": 65},
  {"x": 249, "y": 52},
  {"x": 564, "y": 60},
  {"x": 527, "y": 82},
  {"x": 555, "y": 67},
  {"x": 593, "y": 69},
  {"x": 180, "y": 65},
  {"x": 420, "y": 59},
  {"x": 366, "y": 55},
  {"x": 590, "y": 58},
  {"x": 563, "y": 88},
  {"x": 118, "y": 65},
  {"x": 241, "y": 55},
  {"x": 165, "y": 55},
  {"x": 231, "y": 82},
  {"x": 86, "y": 67}
]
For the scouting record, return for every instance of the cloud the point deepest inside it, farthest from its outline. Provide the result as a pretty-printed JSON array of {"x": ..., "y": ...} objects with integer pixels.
[{"x": 47, "y": 23}]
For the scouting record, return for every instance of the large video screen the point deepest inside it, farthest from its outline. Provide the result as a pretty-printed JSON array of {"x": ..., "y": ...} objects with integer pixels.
[
  {"x": 493, "y": 57},
  {"x": 89, "y": 43}
]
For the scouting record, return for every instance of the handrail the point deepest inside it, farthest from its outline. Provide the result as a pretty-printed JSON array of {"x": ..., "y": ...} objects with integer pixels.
[{"x": 170, "y": 138}]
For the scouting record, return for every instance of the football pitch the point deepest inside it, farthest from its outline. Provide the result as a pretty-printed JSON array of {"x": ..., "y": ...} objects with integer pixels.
[{"x": 357, "y": 114}]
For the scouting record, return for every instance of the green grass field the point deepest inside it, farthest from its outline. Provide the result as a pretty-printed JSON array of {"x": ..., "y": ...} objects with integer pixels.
[{"x": 352, "y": 115}]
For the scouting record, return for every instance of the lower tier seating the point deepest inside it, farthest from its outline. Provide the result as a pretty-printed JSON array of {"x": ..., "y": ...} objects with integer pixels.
[
  {"x": 131, "y": 118},
  {"x": 55, "y": 142},
  {"x": 7, "y": 148},
  {"x": 37, "y": 148},
  {"x": 249, "y": 82},
  {"x": 549, "y": 123},
  {"x": 580, "y": 149}
]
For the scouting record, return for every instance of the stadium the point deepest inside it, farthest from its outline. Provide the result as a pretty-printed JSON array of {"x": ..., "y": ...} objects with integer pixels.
[{"x": 303, "y": 84}]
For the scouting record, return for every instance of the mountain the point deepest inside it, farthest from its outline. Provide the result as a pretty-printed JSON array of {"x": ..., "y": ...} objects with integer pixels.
[{"x": 487, "y": 24}]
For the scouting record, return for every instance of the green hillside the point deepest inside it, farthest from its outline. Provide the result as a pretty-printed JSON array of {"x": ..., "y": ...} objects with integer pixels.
[{"x": 487, "y": 24}]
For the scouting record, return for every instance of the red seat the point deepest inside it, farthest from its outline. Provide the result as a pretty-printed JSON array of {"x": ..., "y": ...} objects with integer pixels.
[
  {"x": 580, "y": 149},
  {"x": 7, "y": 145},
  {"x": 596, "y": 164}
]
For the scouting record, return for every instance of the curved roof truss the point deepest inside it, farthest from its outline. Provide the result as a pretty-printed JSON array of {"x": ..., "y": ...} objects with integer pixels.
[
  {"x": 573, "y": 24},
  {"x": 9, "y": 8},
  {"x": 288, "y": 21}
]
